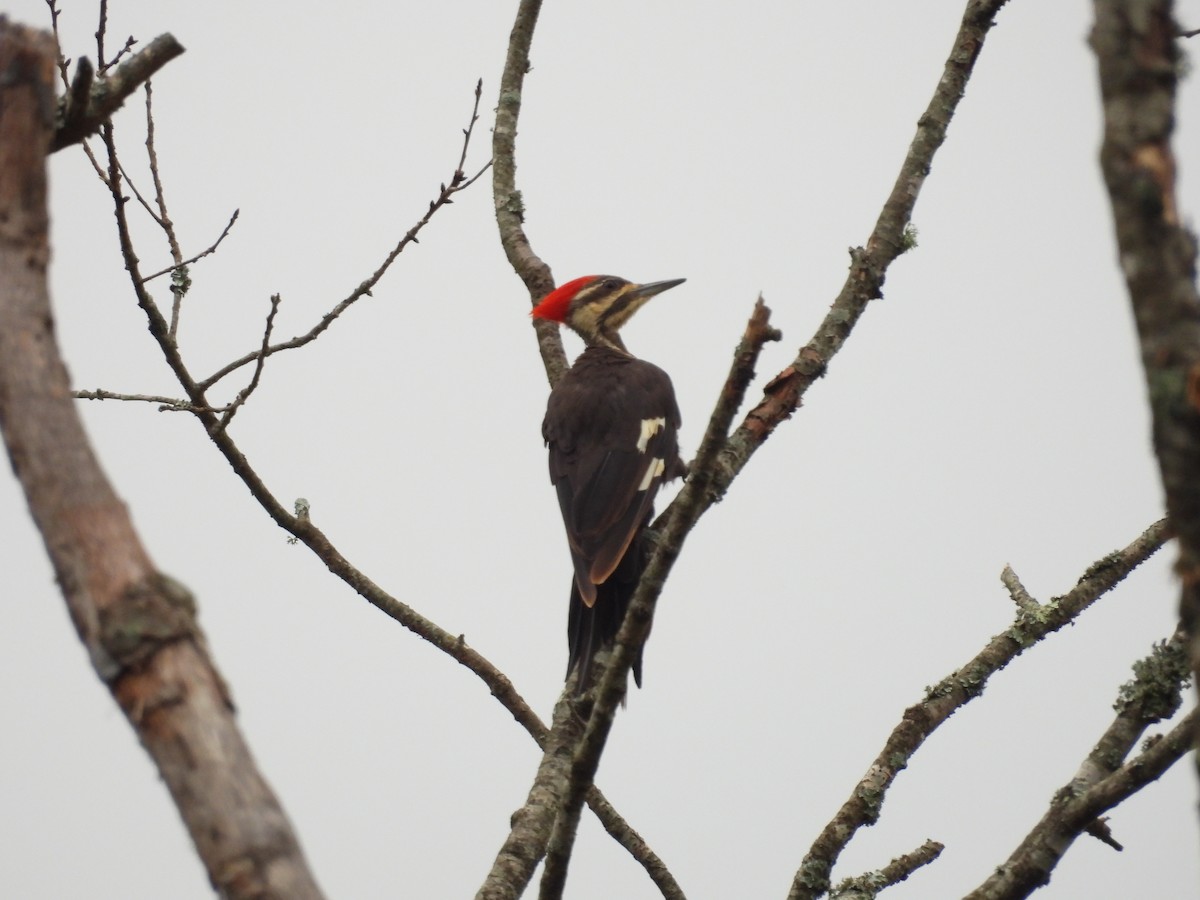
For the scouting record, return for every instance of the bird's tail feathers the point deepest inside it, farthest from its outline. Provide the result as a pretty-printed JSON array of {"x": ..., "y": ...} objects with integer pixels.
[{"x": 593, "y": 628}]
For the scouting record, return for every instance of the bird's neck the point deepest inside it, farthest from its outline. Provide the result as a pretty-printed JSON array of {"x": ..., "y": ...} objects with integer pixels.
[{"x": 609, "y": 340}]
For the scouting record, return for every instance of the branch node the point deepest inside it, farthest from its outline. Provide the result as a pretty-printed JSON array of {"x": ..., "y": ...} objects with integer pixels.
[{"x": 1017, "y": 591}]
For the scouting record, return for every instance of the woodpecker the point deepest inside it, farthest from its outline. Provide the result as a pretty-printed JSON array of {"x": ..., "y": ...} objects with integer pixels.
[{"x": 612, "y": 427}]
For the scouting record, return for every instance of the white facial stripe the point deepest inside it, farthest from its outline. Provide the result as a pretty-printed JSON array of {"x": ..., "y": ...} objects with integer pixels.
[
  {"x": 656, "y": 467},
  {"x": 650, "y": 427}
]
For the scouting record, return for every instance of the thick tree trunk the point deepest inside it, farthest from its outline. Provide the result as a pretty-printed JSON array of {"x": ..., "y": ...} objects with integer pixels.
[{"x": 1135, "y": 43}]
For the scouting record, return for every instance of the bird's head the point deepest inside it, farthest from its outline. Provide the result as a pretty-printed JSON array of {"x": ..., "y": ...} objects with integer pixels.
[{"x": 596, "y": 306}]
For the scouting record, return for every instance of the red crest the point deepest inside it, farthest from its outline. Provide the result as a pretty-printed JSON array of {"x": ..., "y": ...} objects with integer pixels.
[{"x": 554, "y": 305}]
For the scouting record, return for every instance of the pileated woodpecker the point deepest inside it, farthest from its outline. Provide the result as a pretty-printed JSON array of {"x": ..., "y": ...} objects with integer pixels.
[{"x": 611, "y": 425}]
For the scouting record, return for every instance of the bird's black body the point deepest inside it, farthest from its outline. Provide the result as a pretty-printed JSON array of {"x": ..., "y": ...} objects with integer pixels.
[{"x": 612, "y": 427}]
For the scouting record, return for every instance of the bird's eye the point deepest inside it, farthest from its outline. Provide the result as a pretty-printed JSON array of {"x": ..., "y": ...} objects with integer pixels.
[{"x": 610, "y": 284}]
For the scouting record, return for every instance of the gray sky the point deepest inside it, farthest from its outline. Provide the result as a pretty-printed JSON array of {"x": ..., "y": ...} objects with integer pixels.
[{"x": 989, "y": 410}]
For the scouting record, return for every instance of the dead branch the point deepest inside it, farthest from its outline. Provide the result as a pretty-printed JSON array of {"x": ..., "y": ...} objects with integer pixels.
[
  {"x": 244, "y": 394},
  {"x": 211, "y": 249},
  {"x": 78, "y": 119},
  {"x": 952, "y": 693},
  {"x": 166, "y": 404},
  {"x": 868, "y": 886}
]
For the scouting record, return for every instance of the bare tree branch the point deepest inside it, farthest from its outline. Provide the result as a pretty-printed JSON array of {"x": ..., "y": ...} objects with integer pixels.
[
  {"x": 302, "y": 529},
  {"x": 868, "y": 886},
  {"x": 532, "y": 823},
  {"x": 1136, "y": 49},
  {"x": 77, "y": 120},
  {"x": 510, "y": 207},
  {"x": 458, "y": 182},
  {"x": 610, "y": 691},
  {"x": 1017, "y": 591},
  {"x": 869, "y": 265},
  {"x": 179, "y": 285},
  {"x": 718, "y": 462},
  {"x": 783, "y": 394},
  {"x": 138, "y": 625},
  {"x": 1102, "y": 781},
  {"x": 244, "y": 394},
  {"x": 166, "y": 404},
  {"x": 211, "y": 249},
  {"x": 952, "y": 693}
]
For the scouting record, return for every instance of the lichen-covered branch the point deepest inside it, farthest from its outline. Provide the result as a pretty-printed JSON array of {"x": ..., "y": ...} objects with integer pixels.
[
  {"x": 868, "y": 886},
  {"x": 138, "y": 625},
  {"x": 510, "y": 208},
  {"x": 868, "y": 265},
  {"x": 951, "y": 694},
  {"x": 1135, "y": 44},
  {"x": 1105, "y": 778},
  {"x": 92, "y": 101},
  {"x": 532, "y": 823}
]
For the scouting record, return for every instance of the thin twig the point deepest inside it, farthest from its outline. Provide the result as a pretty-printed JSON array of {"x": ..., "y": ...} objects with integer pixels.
[
  {"x": 64, "y": 64},
  {"x": 101, "y": 28},
  {"x": 445, "y": 197},
  {"x": 74, "y": 103},
  {"x": 139, "y": 196},
  {"x": 130, "y": 43},
  {"x": 167, "y": 404},
  {"x": 866, "y": 887},
  {"x": 178, "y": 285},
  {"x": 203, "y": 253},
  {"x": 1017, "y": 591},
  {"x": 244, "y": 394},
  {"x": 952, "y": 693}
]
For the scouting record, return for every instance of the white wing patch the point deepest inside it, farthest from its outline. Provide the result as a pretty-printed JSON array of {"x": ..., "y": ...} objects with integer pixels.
[
  {"x": 650, "y": 427},
  {"x": 656, "y": 467}
]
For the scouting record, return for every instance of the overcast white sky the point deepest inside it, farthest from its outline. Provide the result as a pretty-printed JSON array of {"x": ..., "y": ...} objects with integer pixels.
[{"x": 989, "y": 410}]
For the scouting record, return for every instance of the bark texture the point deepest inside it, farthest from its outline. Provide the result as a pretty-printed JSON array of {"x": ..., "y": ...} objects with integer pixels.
[{"x": 1135, "y": 44}]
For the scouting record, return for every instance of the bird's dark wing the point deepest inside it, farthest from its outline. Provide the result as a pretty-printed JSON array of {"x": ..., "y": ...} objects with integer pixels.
[{"x": 612, "y": 442}]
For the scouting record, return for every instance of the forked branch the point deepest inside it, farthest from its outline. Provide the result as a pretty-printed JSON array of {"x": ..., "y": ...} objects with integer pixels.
[
  {"x": 300, "y": 525},
  {"x": 91, "y": 101},
  {"x": 1105, "y": 778},
  {"x": 952, "y": 693}
]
